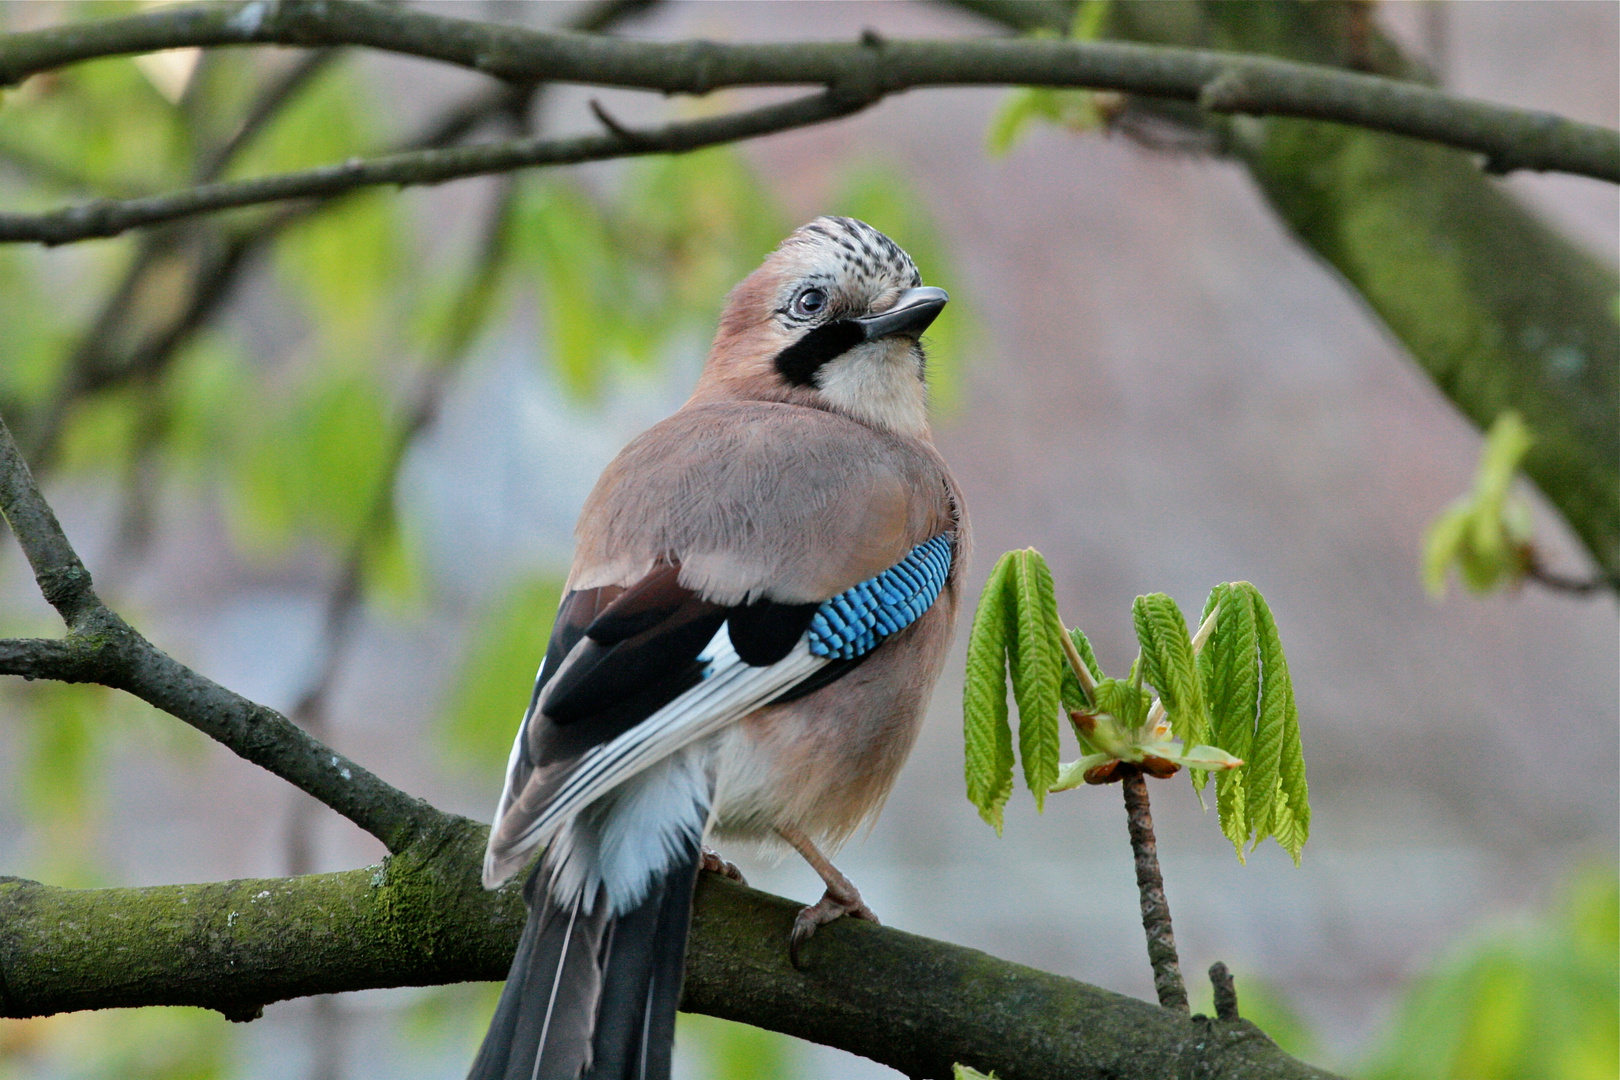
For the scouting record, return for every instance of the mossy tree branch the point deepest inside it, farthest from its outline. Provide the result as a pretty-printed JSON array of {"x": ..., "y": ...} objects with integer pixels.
[
  {"x": 1500, "y": 310},
  {"x": 421, "y": 918}
]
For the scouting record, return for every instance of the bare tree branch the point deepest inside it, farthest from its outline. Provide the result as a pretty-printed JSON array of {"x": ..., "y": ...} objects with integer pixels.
[
  {"x": 421, "y": 919},
  {"x": 866, "y": 70},
  {"x": 109, "y": 218},
  {"x": 101, "y": 647}
]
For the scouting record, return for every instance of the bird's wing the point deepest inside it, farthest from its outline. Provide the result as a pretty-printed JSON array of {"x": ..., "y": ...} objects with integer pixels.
[{"x": 638, "y": 668}]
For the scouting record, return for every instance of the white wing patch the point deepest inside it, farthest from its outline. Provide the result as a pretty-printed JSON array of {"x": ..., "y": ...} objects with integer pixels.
[{"x": 730, "y": 691}]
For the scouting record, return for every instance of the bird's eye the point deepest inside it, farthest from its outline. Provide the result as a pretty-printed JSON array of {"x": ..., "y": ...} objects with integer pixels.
[{"x": 809, "y": 302}]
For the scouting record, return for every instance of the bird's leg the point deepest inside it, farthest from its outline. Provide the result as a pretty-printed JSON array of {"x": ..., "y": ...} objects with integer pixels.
[
  {"x": 714, "y": 864},
  {"x": 841, "y": 897}
]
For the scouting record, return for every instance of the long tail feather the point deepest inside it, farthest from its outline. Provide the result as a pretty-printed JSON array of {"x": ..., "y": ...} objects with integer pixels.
[
  {"x": 542, "y": 1025},
  {"x": 644, "y": 957},
  {"x": 591, "y": 997}
]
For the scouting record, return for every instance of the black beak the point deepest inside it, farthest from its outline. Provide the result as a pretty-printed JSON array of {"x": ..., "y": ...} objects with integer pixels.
[{"x": 909, "y": 317}]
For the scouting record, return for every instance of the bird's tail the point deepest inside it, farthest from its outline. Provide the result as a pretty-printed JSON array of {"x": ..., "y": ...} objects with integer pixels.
[{"x": 593, "y": 997}]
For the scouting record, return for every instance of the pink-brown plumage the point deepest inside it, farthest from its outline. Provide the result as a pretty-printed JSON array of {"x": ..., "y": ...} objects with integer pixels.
[{"x": 680, "y": 695}]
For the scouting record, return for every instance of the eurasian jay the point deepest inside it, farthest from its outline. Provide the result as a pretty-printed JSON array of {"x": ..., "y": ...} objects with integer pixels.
[{"x": 763, "y": 590}]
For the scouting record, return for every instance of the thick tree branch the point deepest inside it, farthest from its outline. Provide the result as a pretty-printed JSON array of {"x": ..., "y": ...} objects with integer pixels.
[
  {"x": 100, "y": 647},
  {"x": 109, "y": 217},
  {"x": 1500, "y": 310},
  {"x": 1509, "y": 138},
  {"x": 421, "y": 919}
]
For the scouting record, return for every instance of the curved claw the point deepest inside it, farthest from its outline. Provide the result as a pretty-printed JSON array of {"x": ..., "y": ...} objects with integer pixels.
[
  {"x": 714, "y": 864},
  {"x": 822, "y": 912}
]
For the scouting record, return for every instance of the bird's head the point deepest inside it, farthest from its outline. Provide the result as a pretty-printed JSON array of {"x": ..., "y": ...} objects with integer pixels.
[{"x": 831, "y": 320}]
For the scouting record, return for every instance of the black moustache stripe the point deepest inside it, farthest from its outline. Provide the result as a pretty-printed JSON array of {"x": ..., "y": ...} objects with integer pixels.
[{"x": 799, "y": 362}]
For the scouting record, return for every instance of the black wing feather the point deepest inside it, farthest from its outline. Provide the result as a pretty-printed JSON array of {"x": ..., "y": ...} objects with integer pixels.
[{"x": 632, "y": 650}]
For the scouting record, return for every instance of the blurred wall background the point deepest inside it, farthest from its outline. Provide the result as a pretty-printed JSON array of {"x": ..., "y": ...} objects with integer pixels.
[{"x": 1141, "y": 375}]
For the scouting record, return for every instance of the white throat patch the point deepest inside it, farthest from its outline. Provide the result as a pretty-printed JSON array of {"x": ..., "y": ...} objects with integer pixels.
[{"x": 879, "y": 383}]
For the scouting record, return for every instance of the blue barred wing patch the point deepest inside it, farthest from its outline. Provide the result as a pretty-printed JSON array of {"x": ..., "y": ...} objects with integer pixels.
[{"x": 852, "y": 623}]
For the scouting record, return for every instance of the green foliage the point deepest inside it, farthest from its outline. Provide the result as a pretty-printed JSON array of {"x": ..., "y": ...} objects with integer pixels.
[
  {"x": 878, "y": 195},
  {"x": 1485, "y": 534},
  {"x": 733, "y": 1051},
  {"x": 313, "y": 464},
  {"x": 620, "y": 279},
  {"x": 1232, "y": 685},
  {"x": 1533, "y": 1000},
  {"x": 101, "y": 126},
  {"x": 1169, "y": 665},
  {"x": 124, "y": 1044},
  {"x": 967, "y": 1072},
  {"x": 1221, "y": 702},
  {"x": 497, "y": 673},
  {"x": 1071, "y": 692},
  {"x": 1034, "y": 660},
  {"x": 986, "y": 734},
  {"x": 1254, "y": 718},
  {"x": 1013, "y": 632},
  {"x": 1073, "y": 109}
]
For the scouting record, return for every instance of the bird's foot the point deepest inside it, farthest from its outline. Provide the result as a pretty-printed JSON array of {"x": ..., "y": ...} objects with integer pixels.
[
  {"x": 834, "y": 903},
  {"x": 714, "y": 864}
]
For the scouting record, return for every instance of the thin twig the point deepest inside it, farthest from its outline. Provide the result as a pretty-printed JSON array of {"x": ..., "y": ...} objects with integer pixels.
[
  {"x": 1551, "y": 579},
  {"x": 1509, "y": 138},
  {"x": 213, "y": 277},
  {"x": 1161, "y": 938},
  {"x": 112, "y": 217},
  {"x": 1226, "y": 999},
  {"x": 101, "y": 647}
]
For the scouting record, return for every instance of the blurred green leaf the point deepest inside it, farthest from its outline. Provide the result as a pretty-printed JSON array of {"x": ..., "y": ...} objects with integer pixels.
[
  {"x": 100, "y": 430},
  {"x": 101, "y": 124},
  {"x": 60, "y": 790},
  {"x": 624, "y": 278},
  {"x": 506, "y": 644},
  {"x": 312, "y": 466},
  {"x": 394, "y": 571},
  {"x": 589, "y": 314},
  {"x": 35, "y": 335},
  {"x": 1074, "y": 109},
  {"x": 696, "y": 225},
  {"x": 206, "y": 393},
  {"x": 1485, "y": 534},
  {"x": 348, "y": 263},
  {"x": 733, "y": 1051},
  {"x": 1535, "y": 999}
]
